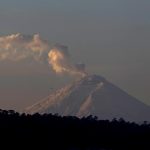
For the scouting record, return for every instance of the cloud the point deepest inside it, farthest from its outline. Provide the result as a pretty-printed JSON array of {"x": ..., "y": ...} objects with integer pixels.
[{"x": 18, "y": 47}]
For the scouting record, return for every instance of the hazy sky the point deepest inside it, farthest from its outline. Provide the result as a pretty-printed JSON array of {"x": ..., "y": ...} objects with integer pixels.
[{"x": 112, "y": 37}]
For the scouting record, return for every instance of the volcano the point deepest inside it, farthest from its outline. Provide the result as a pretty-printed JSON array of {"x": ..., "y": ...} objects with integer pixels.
[{"x": 92, "y": 95}]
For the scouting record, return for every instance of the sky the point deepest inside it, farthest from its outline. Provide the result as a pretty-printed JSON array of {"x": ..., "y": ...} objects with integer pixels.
[{"x": 110, "y": 36}]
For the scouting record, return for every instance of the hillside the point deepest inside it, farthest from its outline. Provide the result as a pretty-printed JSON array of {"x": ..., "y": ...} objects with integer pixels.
[{"x": 70, "y": 133}]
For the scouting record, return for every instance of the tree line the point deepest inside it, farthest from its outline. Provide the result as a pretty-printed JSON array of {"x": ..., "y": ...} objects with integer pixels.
[{"x": 52, "y": 131}]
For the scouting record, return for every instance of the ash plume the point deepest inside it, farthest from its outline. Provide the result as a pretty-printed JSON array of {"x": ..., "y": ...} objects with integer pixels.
[
  {"x": 59, "y": 59},
  {"x": 17, "y": 47}
]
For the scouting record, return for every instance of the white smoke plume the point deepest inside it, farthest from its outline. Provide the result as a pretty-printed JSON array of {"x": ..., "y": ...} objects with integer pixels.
[
  {"x": 18, "y": 47},
  {"x": 60, "y": 61}
]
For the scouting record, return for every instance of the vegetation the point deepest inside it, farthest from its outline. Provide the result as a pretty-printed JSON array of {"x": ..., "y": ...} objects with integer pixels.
[{"x": 71, "y": 133}]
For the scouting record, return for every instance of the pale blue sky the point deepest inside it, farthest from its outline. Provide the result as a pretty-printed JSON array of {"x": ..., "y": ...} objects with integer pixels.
[{"x": 111, "y": 36}]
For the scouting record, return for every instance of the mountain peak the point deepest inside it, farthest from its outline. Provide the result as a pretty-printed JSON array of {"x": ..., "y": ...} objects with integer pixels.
[
  {"x": 92, "y": 79},
  {"x": 93, "y": 95}
]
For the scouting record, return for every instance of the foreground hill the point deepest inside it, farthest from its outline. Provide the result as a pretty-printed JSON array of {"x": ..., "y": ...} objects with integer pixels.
[{"x": 70, "y": 133}]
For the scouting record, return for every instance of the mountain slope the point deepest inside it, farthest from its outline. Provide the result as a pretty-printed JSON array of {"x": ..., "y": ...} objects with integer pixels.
[{"x": 93, "y": 95}]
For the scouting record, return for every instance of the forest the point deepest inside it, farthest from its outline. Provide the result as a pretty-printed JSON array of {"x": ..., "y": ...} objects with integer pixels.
[{"x": 52, "y": 131}]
